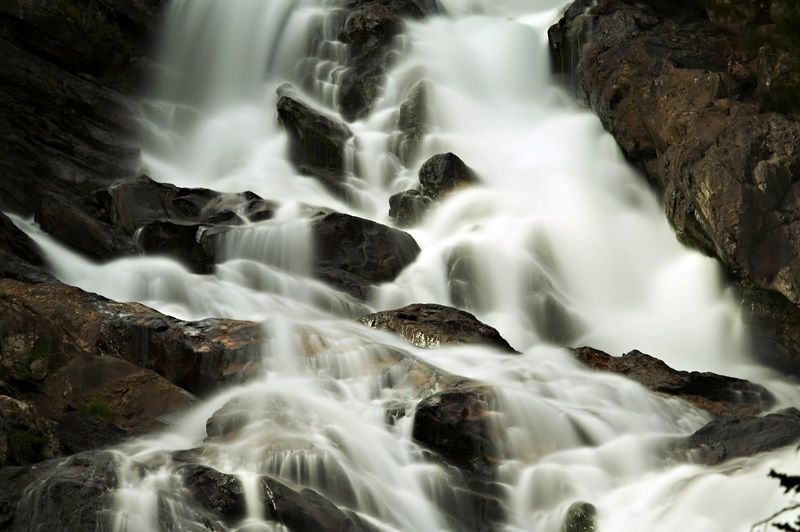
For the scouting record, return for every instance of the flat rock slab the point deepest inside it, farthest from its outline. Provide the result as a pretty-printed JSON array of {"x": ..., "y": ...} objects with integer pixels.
[
  {"x": 430, "y": 325},
  {"x": 717, "y": 394}
]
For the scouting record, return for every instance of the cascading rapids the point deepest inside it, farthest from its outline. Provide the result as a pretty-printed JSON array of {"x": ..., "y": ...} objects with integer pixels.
[{"x": 561, "y": 244}]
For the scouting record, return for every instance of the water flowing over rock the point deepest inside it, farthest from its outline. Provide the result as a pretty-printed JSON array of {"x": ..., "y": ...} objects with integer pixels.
[
  {"x": 407, "y": 208},
  {"x": 687, "y": 115},
  {"x": 736, "y": 437},
  {"x": 413, "y": 121},
  {"x": 720, "y": 395},
  {"x": 354, "y": 253},
  {"x": 429, "y": 325}
]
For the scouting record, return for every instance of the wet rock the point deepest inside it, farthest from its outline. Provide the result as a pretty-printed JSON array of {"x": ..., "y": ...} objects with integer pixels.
[
  {"x": 430, "y": 325},
  {"x": 369, "y": 28},
  {"x": 316, "y": 142},
  {"x": 223, "y": 496},
  {"x": 735, "y": 437},
  {"x": 353, "y": 253},
  {"x": 457, "y": 425},
  {"x": 581, "y": 517},
  {"x": 717, "y": 394},
  {"x": 20, "y": 257},
  {"x": 56, "y": 322},
  {"x": 407, "y": 208},
  {"x": 71, "y": 494},
  {"x": 724, "y": 167},
  {"x": 444, "y": 173},
  {"x": 25, "y": 437},
  {"x": 412, "y": 121}
]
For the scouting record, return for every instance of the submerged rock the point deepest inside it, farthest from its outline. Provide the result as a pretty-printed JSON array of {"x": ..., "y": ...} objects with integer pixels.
[
  {"x": 717, "y": 394},
  {"x": 352, "y": 254},
  {"x": 736, "y": 437},
  {"x": 581, "y": 517},
  {"x": 430, "y": 325}
]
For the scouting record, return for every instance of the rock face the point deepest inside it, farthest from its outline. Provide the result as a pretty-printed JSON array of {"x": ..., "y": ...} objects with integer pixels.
[
  {"x": 735, "y": 437},
  {"x": 369, "y": 28},
  {"x": 691, "y": 117},
  {"x": 412, "y": 121},
  {"x": 457, "y": 425},
  {"x": 717, "y": 394},
  {"x": 352, "y": 253},
  {"x": 430, "y": 325},
  {"x": 20, "y": 257},
  {"x": 407, "y": 208},
  {"x": 316, "y": 142}
]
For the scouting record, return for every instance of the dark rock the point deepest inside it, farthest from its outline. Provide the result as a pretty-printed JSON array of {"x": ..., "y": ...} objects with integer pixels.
[
  {"x": 353, "y": 253},
  {"x": 412, "y": 122},
  {"x": 369, "y": 28},
  {"x": 430, "y": 325},
  {"x": 71, "y": 494},
  {"x": 444, "y": 173},
  {"x": 735, "y": 437},
  {"x": 20, "y": 257},
  {"x": 316, "y": 142},
  {"x": 457, "y": 425},
  {"x": 689, "y": 116},
  {"x": 78, "y": 431},
  {"x": 217, "y": 492},
  {"x": 407, "y": 208},
  {"x": 25, "y": 437},
  {"x": 581, "y": 517},
  {"x": 719, "y": 395}
]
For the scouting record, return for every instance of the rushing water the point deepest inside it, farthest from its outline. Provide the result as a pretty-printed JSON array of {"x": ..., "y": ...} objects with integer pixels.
[{"x": 562, "y": 244}]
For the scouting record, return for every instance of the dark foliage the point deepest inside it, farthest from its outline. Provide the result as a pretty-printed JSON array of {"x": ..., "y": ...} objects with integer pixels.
[{"x": 790, "y": 484}]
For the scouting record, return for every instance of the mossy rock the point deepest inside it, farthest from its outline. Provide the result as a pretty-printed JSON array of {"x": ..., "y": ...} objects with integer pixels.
[{"x": 26, "y": 446}]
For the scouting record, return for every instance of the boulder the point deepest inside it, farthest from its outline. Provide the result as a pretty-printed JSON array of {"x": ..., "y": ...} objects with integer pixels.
[
  {"x": 581, "y": 517},
  {"x": 353, "y": 253},
  {"x": 717, "y": 394},
  {"x": 694, "y": 119},
  {"x": 431, "y": 325},
  {"x": 369, "y": 28},
  {"x": 736, "y": 437},
  {"x": 20, "y": 257},
  {"x": 457, "y": 425},
  {"x": 316, "y": 142},
  {"x": 407, "y": 208},
  {"x": 444, "y": 173},
  {"x": 412, "y": 122}
]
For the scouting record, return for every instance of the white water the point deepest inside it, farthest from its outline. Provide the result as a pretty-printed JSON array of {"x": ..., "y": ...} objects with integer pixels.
[{"x": 563, "y": 244}]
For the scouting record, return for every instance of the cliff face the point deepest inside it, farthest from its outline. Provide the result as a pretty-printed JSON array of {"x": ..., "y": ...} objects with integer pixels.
[{"x": 685, "y": 100}]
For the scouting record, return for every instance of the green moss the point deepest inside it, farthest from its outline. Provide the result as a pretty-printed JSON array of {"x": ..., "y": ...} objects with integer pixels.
[
  {"x": 99, "y": 408},
  {"x": 26, "y": 447}
]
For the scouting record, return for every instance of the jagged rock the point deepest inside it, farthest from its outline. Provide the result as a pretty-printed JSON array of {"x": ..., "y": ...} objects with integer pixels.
[
  {"x": 735, "y": 437},
  {"x": 59, "y": 321},
  {"x": 407, "y": 208},
  {"x": 431, "y": 325},
  {"x": 689, "y": 117},
  {"x": 457, "y": 425},
  {"x": 444, "y": 173},
  {"x": 369, "y": 28},
  {"x": 353, "y": 253},
  {"x": 412, "y": 121},
  {"x": 316, "y": 142},
  {"x": 581, "y": 517},
  {"x": 717, "y": 394},
  {"x": 71, "y": 494},
  {"x": 223, "y": 496}
]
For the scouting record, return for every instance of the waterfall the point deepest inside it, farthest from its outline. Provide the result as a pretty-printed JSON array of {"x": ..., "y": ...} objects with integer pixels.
[{"x": 561, "y": 244}]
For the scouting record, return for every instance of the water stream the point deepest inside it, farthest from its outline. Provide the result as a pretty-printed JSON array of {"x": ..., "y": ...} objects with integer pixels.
[{"x": 562, "y": 244}]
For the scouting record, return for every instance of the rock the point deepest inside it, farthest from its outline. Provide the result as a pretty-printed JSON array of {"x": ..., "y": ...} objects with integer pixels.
[
  {"x": 71, "y": 494},
  {"x": 717, "y": 394},
  {"x": 457, "y": 425},
  {"x": 353, "y": 253},
  {"x": 444, "y": 173},
  {"x": 57, "y": 322},
  {"x": 407, "y": 208},
  {"x": 25, "y": 437},
  {"x": 412, "y": 121},
  {"x": 581, "y": 517},
  {"x": 316, "y": 142},
  {"x": 735, "y": 437},
  {"x": 20, "y": 257},
  {"x": 369, "y": 28},
  {"x": 430, "y": 325},
  {"x": 223, "y": 496},
  {"x": 725, "y": 169}
]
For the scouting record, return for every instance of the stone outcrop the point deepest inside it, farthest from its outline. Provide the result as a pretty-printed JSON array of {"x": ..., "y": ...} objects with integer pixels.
[
  {"x": 717, "y": 394},
  {"x": 431, "y": 325},
  {"x": 352, "y": 253},
  {"x": 683, "y": 99},
  {"x": 736, "y": 437}
]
